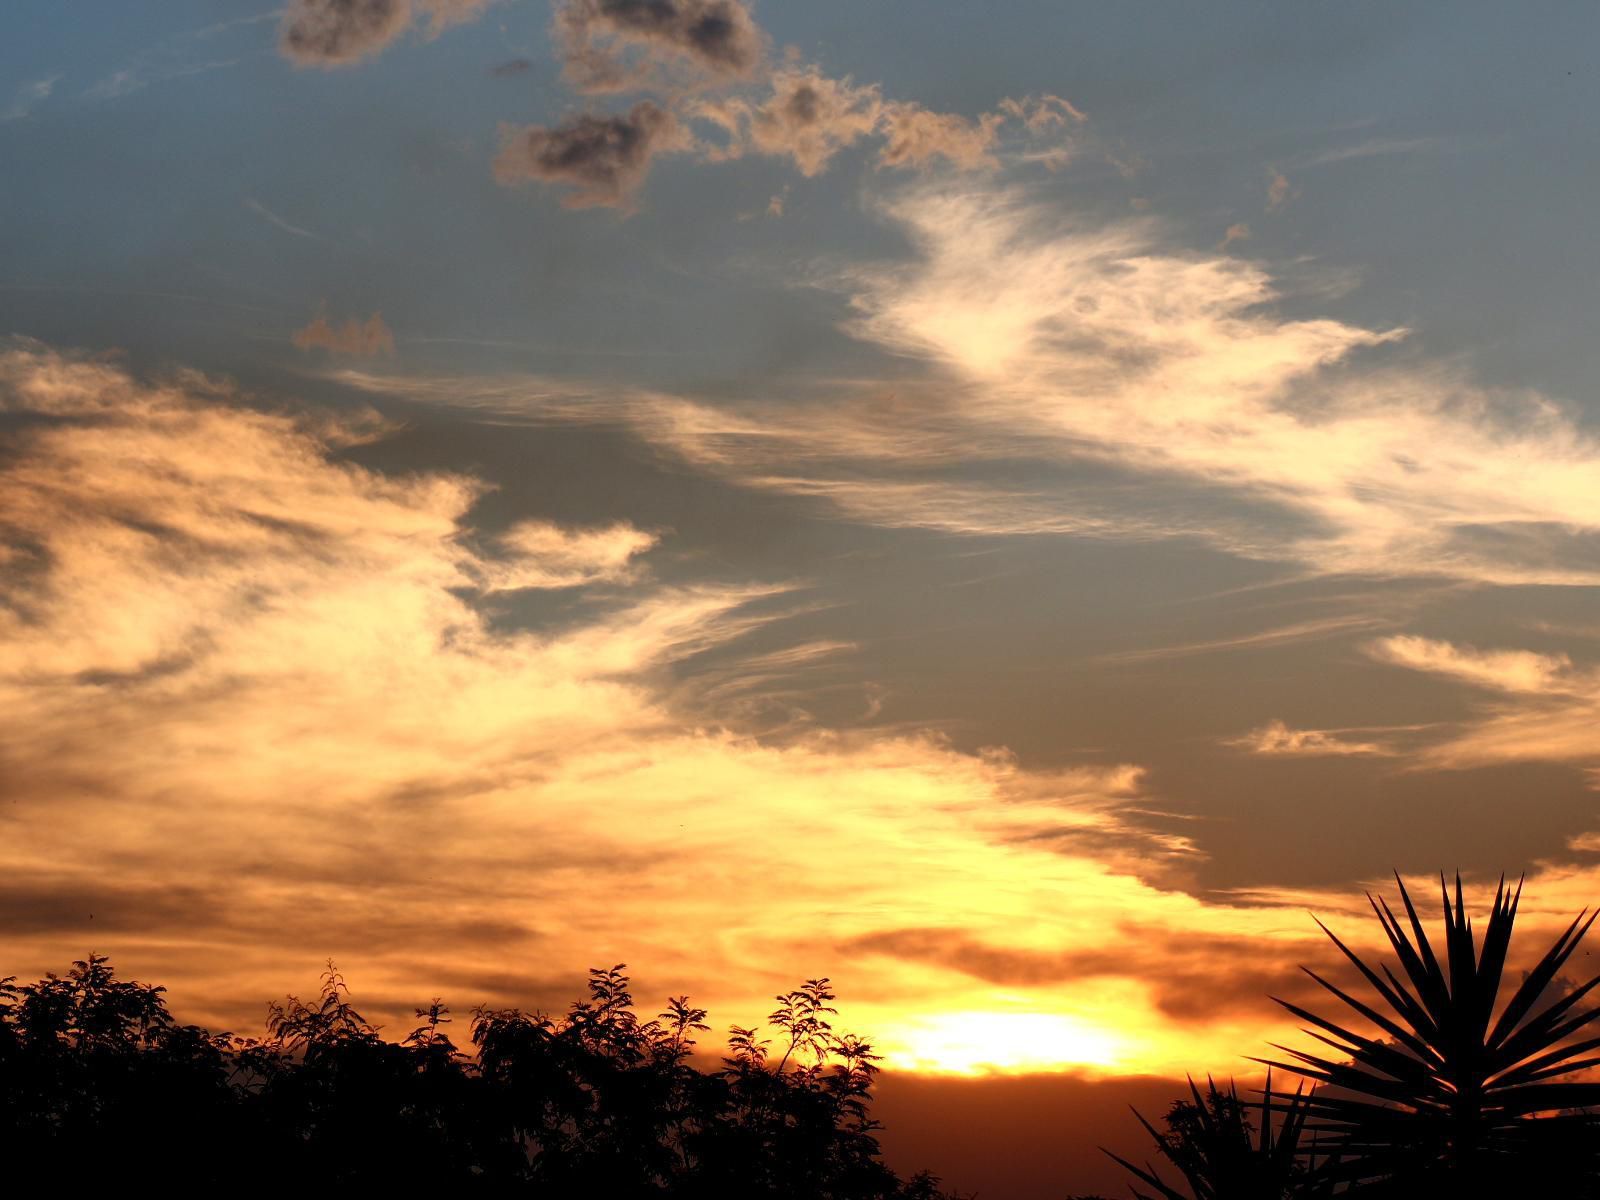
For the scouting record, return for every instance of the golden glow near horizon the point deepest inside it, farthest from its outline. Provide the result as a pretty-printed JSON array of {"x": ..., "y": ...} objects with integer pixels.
[{"x": 1002, "y": 1042}]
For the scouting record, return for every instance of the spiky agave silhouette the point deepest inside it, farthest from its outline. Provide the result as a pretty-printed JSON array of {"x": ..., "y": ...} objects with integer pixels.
[
  {"x": 1455, "y": 1088},
  {"x": 1210, "y": 1142}
]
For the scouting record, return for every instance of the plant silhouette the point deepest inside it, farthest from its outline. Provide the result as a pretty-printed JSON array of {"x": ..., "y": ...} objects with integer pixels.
[
  {"x": 596, "y": 1102},
  {"x": 1464, "y": 1087},
  {"x": 1211, "y": 1142},
  {"x": 1460, "y": 1094}
]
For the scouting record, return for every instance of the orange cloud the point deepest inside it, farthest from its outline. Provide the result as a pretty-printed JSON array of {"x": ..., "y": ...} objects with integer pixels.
[
  {"x": 809, "y": 117},
  {"x": 1237, "y": 232},
  {"x": 1278, "y": 190},
  {"x": 361, "y": 339}
]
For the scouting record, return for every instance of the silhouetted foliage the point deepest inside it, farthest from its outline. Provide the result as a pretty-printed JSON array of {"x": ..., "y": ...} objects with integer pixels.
[
  {"x": 1460, "y": 1094},
  {"x": 95, "y": 1075},
  {"x": 1456, "y": 1093},
  {"x": 1222, "y": 1155}
]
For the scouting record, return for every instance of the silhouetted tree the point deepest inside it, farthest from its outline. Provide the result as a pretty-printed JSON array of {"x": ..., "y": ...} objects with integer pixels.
[
  {"x": 94, "y": 1070},
  {"x": 96, "y": 1076}
]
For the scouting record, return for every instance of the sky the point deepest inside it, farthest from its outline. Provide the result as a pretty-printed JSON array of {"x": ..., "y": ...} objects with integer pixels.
[{"x": 1004, "y": 506}]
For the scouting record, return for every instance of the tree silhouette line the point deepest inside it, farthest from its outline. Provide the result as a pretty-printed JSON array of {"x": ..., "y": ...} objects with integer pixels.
[
  {"x": 1455, "y": 1092},
  {"x": 95, "y": 1075}
]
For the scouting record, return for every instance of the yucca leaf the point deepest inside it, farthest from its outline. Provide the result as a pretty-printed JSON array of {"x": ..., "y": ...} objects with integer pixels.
[
  {"x": 1422, "y": 971},
  {"x": 1391, "y": 997},
  {"x": 1540, "y": 978}
]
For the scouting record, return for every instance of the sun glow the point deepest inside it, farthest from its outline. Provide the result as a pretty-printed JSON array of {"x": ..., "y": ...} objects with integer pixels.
[{"x": 984, "y": 1043}]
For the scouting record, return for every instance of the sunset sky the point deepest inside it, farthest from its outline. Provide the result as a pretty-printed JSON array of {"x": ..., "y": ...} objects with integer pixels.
[{"x": 1004, "y": 505}]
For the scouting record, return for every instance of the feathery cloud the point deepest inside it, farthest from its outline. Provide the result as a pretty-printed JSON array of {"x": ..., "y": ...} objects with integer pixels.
[
  {"x": 1276, "y": 739},
  {"x": 1517, "y": 671},
  {"x": 1150, "y": 392},
  {"x": 1540, "y": 708}
]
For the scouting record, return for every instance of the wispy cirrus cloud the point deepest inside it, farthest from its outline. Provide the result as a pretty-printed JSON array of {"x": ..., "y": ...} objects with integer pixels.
[
  {"x": 1086, "y": 377},
  {"x": 277, "y": 222},
  {"x": 28, "y": 96},
  {"x": 1275, "y": 739},
  {"x": 1534, "y": 707},
  {"x": 548, "y": 556},
  {"x": 1378, "y": 147},
  {"x": 1517, "y": 671}
]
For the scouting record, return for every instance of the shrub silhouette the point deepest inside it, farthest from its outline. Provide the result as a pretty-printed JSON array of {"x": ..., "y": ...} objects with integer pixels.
[
  {"x": 1460, "y": 1094},
  {"x": 95, "y": 1075},
  {"x": 1222, "y": 1156}
]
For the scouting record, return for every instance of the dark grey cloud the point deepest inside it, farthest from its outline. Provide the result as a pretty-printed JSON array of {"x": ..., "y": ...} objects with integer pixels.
[
  {"x": 624, "y": 45},
  {"x": 331, "y": 33},
  {"x": 336, "y": 33},
  {"x": 603, "y": 158},
  {"x": 65, "y": 904},
  {"x": 515, "y": 66}
]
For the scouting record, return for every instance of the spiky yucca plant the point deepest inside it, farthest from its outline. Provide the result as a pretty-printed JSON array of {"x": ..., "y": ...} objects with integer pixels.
[
  {"x": 1455, "y": 1089},
  {"x": 1210, "y": 1143}
]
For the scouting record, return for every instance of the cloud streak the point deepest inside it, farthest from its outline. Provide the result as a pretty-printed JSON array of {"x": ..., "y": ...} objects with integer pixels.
[
  {"x": 1276, "y": 740},
  {"x": 272, "y": 218},
  {"x": 1532, "y": 707}
]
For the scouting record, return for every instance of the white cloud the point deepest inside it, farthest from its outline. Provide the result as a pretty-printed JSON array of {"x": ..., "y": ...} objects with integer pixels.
[{"x": 1071, "y": 350}]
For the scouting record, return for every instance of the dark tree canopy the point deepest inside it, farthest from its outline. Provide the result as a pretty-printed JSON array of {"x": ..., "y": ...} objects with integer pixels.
[{"x": 597, "y": 1102}]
